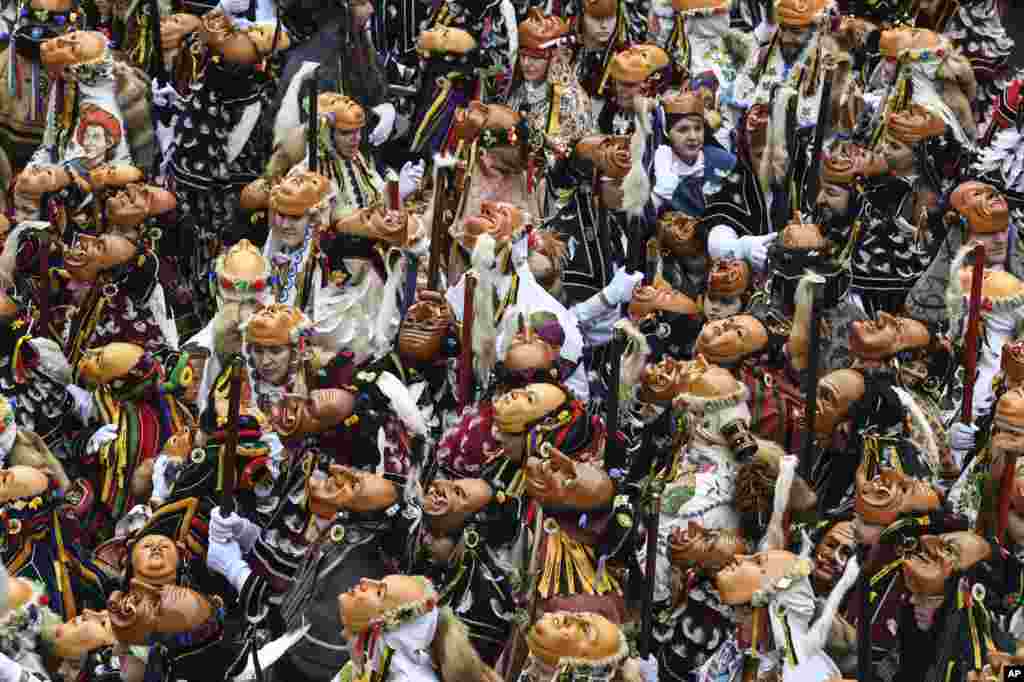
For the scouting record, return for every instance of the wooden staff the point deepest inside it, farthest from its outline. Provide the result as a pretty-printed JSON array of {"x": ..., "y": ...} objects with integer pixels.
[
  {"x": 438, "y": 227},
  {"x": 466, "y": 354},
  {"x": 229, "y": 453},
  {"x": 806, "y": 465},
  {"x": 313, "y": 127},
  {"x": 516, "y": 652},
  {"x": 865, "y": 671},
  {"x": 1005, "y": 491},
  {"x": 394, "y": 197},
  {"x": 159, "y": 68},
  {"x": 615, "y": 457},
  {"x": 824, "y": 120},
  {"x": 650, "y": 568},
  {"x": 971, "y": 338}
]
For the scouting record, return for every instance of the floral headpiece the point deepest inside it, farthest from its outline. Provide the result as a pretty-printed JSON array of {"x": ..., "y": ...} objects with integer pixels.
[
  {"x": 20, "y": 628},
  {"x": 593, "y": 670},
  {"x": 400, "y": 615}
]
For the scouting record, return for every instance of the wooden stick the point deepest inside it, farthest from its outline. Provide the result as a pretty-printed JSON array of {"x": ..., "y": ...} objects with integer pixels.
[
  {"x": 466, "y": 355},
  {"x": 971, "y": 340}
]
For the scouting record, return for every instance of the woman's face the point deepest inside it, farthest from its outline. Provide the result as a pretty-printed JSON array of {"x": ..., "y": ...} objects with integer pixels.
[
  {"x": 597, "y": 32},
  {"x": 95, "y": 142},
  {"x": 272, "y": 363},
  {"x": 534, "y": 68},
  {"x": 687, "y": 138},
  {"x": 347, "y": 142},
  {"x": 361, "y": 14},
  {"x": 291, "y": 230}
]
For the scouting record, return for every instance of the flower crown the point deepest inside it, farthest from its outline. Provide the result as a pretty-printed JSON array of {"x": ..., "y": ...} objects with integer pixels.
[
  {"x": 20, "y": 628},
  {"x": 406, "y": 613}
]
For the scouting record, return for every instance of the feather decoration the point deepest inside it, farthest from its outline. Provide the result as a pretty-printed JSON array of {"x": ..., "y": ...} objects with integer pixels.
[
  {"x": 402, "y": 403},
  {"x": 636, "y": 186}
]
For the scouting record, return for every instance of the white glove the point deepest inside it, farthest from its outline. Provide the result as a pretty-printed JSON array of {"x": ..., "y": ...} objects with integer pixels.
[
  {"x": 164, "y": 96},
  {"x": 755, "y": 249},
  {"x": 161, "y": 486},
  {"x": 225, "y": 558},
  {"x": 784, "y": 483},
  {"x": 277, "y": 453},
  {"x": 961, "y": 436},
  {"x": 648, "y": 668},
  {"x": 409, "y": 178},
  {"x": 234, "y": 6},
  {"x": 620, "y": 289},
  {"x": 521, "y": 252},
  {"x": 850, "y": 575},
  {"x": 382, "y": 132},
  {"x": 10, "y": 671},
  {"x": 84, "y": 406},
  {"x": 103, "y": 435},
  {"x": 233, "y": 529}
]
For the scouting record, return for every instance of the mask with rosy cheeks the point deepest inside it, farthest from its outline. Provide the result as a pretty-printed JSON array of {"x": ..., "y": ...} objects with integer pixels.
[
  {"x": 371, "y": 599},
  {"x": 516, "y": 410},
  {"x": 705, "y": 550},
  {"x": 886, "y": 336},
  {"x": 939, "y": 557},
  {"x": 155, "y": 559},
  {"x": 460, "y": 496},
  {"x": 101, "y": 366},
  {"x": 578, "y": 636},
  {"x": 837, "y": 392},
  {"x": 344, "y": 488},
  {"x": 323, "y": 410},
  {"x": 881, "y": 500},
  {"x": 731, "y": 339},
  {"x": 423, "y": 331},
  {"x": 984, "y": 208},
  {"x": 91, "y": 256},
  {"x": 744, "y": 575},
  {"x": 832, "y": 553}
]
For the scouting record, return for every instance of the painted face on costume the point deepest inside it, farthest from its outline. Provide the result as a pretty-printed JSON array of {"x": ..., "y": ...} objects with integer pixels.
[
  {"x": 155, "y": 559},
  {"x": 588, "y": 636},
  {"x": 687, "y": 138},
  {"x": 597, "y": 31},
  {"x": 21, "y": 481},
  {"x": 86, "y": 632}
]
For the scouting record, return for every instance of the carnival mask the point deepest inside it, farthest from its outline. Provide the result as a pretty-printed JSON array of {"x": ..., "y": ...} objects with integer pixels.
[
  {"x": 86, "y": 632},
  {"x": 76, "y": 47},
  {"x": 349, "y": 489},
  {"x": 663, "y": 381},
  {"x": 705, "y": 550},
  {"x": 423, "y": 331},
  {"x": 881, "y": 500},
  {"x": 459, "y": 496},
  {"x": 500, "y": 220},
  {"x": 579, "y": 636},
  {"x": 984, "y": 208},
  {"x": 136, "y": 202},
  {"x": 638, "y": 63},
  {"x": 445, "y": 40},
  {"x": 175, "y": 28},
  {"x": 91, "y": 256},
  {"x": 155, "y": 559},
  {"x": 377, "y": 223},
  {"x": 22, "y": 481},
  {"x": 115, "y": 175},
  {"x": 837, "y": 393},
  {"x": 370, "y": 599},
  {"x": 36, "y": 180},
  {"x": 1012, "y": 363},
  {"x": 939, "y": 557},
  {"x": 677, "y": 232},
  {"x": 298, "y": 193},
  {"x": 744, "y": 575},
  {"x": 610, "y": 154},
  {"x": 321, "y": 411},
  {"x": 528, "y": 351},
  {"x": 886, "y": 336},
  {"x": 648, "y": 300},
  {"x": 148, "y": 609},
  {"x": 563, "y": 483},
  {"x": 732, "y": 339},
  {"x": 101, "y": 366},
  {"x": 517, "y": 409},
  {"x": 800, "y": 236},
  {"x": 832, "y": 553},
  {"x": 896, "y": 40}
]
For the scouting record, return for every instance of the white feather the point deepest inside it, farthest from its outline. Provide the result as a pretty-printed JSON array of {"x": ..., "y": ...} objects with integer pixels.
[
  {"x": 818, "y": 634},
  {"x": 402, "y": 403},
  {"x": 386, "y": 325},
  {"x": 484, "y": 330},
  {"x": 636, "y": 187},
  {"x": 955, "y": 307},
  {"x": 288, "y": 115}
]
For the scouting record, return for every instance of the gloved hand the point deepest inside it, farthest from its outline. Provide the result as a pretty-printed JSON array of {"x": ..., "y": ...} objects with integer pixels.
[
  {"x": 648, "y": 668},
  {"x": 755, "y": 249},
  {"x": 225, "y": 558},
  {"x": 620, "y": 289},
  {"x": 84, "y": 407},
  {"x": 164, "y": 96},
  {"x": 11, "y": 670},
  {"x": 962, "y": 436},
  {"x": 233, "y": 529},
  {"x": 235, "y": 7},
  {"x": 409, "y": 178},
  {"x": 103, "y": 435},
  {"x": 784, "y": 483},
  {"x": 521, "y": 252},
  {"x": 385, "y": 126}
]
